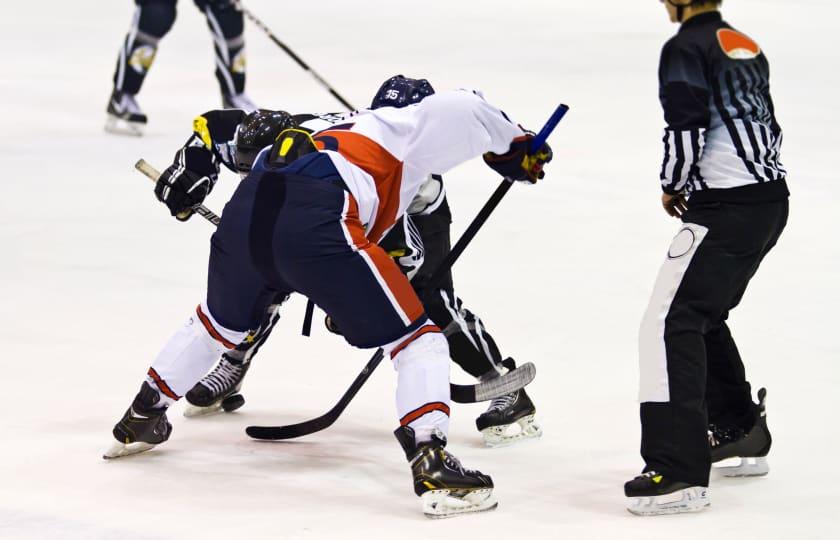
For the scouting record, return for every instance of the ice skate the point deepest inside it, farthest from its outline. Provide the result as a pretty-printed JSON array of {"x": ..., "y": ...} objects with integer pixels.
[
  {"x": 508, "y": 419},
  {"x": 651, "y": 494},
  {"x": 238, "y": 101},
  {"x": 142, "y": 427},
  {"x": 124, "y": 115},
  {"x": 445, "y": 488},
  {"x": 751, "y": 447},
  {"x": 219, "y": 390}
]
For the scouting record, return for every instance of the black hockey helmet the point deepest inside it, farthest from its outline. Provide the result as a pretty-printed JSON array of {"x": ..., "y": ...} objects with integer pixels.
[
  {"x": 258, "y": 130},
  {"x": 399, "y": 91}
]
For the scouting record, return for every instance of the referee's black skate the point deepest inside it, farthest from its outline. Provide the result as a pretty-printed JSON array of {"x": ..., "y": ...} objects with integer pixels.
[
  {"x": 142, "y": 427},
  {"x": 219, "y": 389},
  {"x": 651, "y": 494},
  {"x": 496, "y": 423},
  {"x": 444, "y": 486},
  {"x": 752, "y": 446},
  {"x": 124, "y": 115}
]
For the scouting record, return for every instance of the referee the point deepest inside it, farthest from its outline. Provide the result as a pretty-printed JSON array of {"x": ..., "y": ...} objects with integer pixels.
[{"x": 722, "y": 176}]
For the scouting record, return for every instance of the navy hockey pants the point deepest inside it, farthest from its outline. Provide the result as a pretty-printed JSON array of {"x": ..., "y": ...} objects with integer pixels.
[{"x": 297, "y": 229}]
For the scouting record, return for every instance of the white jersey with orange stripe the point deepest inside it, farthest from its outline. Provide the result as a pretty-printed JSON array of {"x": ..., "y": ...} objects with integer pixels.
[{"x": 386, "y": 155}]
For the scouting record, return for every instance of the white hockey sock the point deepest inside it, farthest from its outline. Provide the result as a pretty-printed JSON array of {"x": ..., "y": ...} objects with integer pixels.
[
  {"x": 190, "y": 353},
  {"x": 423, "y": 385}
]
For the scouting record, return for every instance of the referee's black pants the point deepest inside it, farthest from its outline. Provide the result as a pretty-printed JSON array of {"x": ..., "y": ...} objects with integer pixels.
[{"x": 691, "y": 371}]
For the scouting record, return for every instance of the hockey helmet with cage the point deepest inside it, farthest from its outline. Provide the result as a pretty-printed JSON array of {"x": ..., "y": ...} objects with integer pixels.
[
  {"x": 399, "y": 91},
  {"x": 258, "y": 130}
]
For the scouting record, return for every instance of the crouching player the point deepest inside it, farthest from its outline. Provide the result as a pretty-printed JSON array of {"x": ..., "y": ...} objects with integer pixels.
[{"x": 307, "y": 219}]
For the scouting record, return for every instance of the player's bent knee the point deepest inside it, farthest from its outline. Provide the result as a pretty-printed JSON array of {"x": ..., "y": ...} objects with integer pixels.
[
  {"x": 221, "y": 338},
  {"x": 157, "y": 17}
]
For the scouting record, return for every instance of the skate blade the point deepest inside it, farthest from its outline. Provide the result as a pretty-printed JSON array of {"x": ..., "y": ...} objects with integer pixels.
[
  {"x": 692, "y": 499},
  {"x": 118, "y": 449},
  {"x": 499, "y": 436},
  {"x": 440, "y": 504},
  {"x": 749, "y": 466},
  {"x": 194, "y": 411},
  {"x": 119, "y": 126}
]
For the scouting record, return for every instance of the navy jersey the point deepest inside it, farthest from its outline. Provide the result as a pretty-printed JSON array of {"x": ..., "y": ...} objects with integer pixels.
[{"x": 721, "y": 129}]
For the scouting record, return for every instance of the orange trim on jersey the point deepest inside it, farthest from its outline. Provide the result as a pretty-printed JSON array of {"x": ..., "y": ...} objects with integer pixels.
[
  {"x": 211, "y": 330},
  {"x": 385, "y": 169},
  {"x": 161, "y": 384},
  {"x": 354, "y": 223},
  {"x": 388, "y": 270},
  {"x": 425, "y": 409},
  {"x": 423, "y": 330},
  {"x": 737, "y": 45},
  {"x": 396, "y": 281}
]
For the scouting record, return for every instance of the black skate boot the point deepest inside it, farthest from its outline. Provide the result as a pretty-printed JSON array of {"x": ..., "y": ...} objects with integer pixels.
[
  {"x": 142, "y": 427},
  {"x": 219, "y": 389},
  {"x": 752, "y": 446},
  {"x": 444, "y": 486},
  {"x": 651, "y": 494},
  {"x": 124, "y": 115},
  {"x": 515, "y": 408}
]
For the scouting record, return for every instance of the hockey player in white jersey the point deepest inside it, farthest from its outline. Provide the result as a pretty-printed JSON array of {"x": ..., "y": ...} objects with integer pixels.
[
  {"x": 306, "y": 219},
  {"x": 419, "y": 243}
]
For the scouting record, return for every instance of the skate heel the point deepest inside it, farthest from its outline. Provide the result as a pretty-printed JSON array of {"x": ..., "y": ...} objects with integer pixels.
[
  {"x": 498, "y": 436},
  {"x": 749, "y": 466},
  {"x": 121, "y": 126},
  {"x": 118, "y": 449},
  {"x": 690, "y": 499},
  {"x": 445, "y": 503}
]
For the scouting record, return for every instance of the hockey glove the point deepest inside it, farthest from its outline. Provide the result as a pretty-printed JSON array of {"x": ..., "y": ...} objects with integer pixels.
[
  {"x": 518, "y": 163},
  {"x": 187, "y": 182}
]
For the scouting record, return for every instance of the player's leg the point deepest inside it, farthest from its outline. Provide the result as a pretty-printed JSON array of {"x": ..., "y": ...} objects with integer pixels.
[
  {"x": 320, "y": 249},
  {"x": 219, "y": 390},
  {"x": 152, "y": 20},
  {"x": 509, "y": 418},
  {"x": 237, "y": 297},
  {"x": 710, "y": 260},
  {"x": 227, "y": 27}
]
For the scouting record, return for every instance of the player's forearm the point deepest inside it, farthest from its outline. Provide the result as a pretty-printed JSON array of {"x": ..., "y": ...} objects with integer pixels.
[{"x": 687, "y": 114}]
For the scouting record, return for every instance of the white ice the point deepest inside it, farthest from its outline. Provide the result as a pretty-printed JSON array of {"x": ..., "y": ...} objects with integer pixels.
[{"x": 95, "y": 275}]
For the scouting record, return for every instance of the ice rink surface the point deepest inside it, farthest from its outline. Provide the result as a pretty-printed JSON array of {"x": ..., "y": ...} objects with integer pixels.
[{"x": 95, "y": 275}]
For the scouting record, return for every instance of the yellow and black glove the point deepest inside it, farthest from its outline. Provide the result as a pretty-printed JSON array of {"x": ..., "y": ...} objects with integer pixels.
[{"x": 519, "y": 163}]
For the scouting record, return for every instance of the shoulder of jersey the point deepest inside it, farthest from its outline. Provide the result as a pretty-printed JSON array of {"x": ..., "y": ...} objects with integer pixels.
[{"x": 736, "y": 45}]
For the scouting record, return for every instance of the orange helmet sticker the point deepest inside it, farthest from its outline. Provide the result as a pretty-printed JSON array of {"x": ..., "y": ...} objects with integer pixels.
[{"x": 736, "y": 45}]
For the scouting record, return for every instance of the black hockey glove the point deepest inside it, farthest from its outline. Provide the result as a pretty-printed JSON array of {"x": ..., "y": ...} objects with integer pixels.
[
  {"x": 187, "y": 182},
  {"x": 518, "y": 163}
]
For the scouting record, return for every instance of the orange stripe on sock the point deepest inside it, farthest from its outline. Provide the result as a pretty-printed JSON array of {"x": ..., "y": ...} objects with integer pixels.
[
  {"x": 425, "y": 409},
  {"x": 211, "y": 330},
  {"x": 423, "y": 330},
  {"x": 161, "y": 384}
]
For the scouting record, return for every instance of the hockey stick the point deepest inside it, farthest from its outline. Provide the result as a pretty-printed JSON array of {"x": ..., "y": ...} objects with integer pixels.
[
  {"x": 458, "y": 393},
  {"x": 153, "y": 174},
  {"x": 253, "y": 18}
]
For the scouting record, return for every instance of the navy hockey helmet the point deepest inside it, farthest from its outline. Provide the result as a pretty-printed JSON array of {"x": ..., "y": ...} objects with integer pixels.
[
  {"x": 399, "y": 91},
  {"x": 258, "y": 130}
]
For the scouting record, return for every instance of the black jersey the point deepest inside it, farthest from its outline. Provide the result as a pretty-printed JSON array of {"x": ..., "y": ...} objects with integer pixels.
[{"x": 721, "y": 129}]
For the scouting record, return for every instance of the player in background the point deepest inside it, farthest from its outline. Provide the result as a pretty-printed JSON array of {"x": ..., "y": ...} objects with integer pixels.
[
  {"x": 151, "y": 22},
  {"x": 418, "y": 243},
  {"x": 722, "y": 176},
  {"x": 307, "y": 219}
]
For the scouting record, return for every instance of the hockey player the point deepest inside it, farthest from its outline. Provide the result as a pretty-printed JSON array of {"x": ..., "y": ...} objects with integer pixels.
[
  {"x": 722, "y": 176},
  {"x": 419, "y": 243},
  {"x": 152, "y": 21},
  {"x": 306, "y": 219}
]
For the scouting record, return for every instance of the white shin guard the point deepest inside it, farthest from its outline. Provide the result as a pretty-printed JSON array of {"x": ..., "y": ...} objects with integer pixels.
[
  {"x": 423, "y": 386},
  {"x": 190, "y": 353}
]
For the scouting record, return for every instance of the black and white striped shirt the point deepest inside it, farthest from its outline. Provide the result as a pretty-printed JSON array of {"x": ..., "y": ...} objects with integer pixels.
[{"x": 721, "y": 127}]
